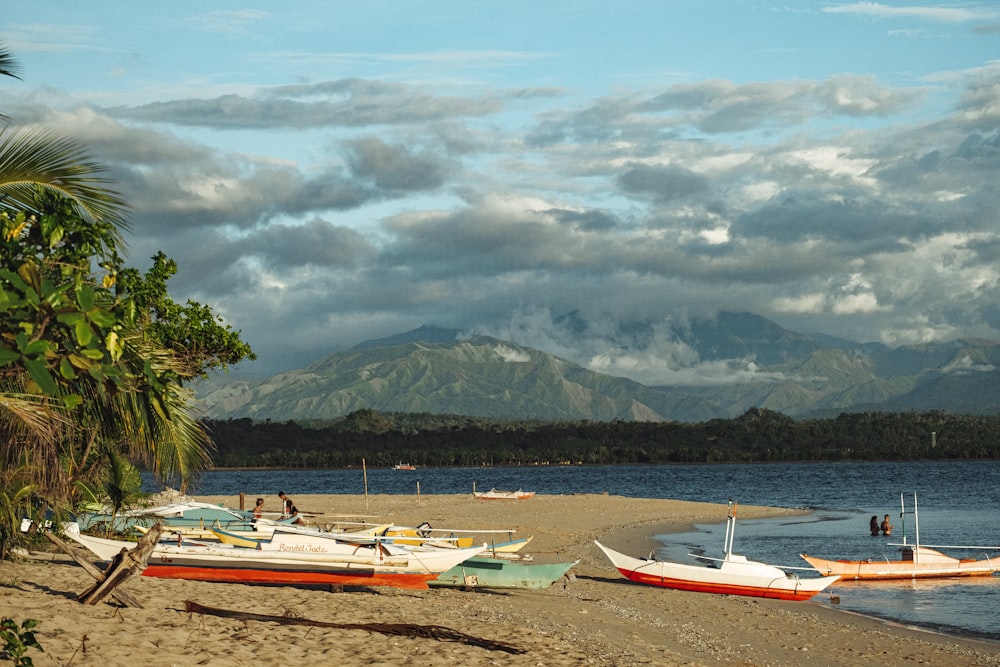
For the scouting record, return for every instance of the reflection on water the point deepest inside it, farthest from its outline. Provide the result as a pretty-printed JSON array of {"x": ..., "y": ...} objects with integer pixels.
[{"x": 932, "y": 604}]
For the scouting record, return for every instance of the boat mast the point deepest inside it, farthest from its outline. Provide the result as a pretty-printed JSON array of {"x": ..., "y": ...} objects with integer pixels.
[
  {"x": 730, "y": 528},
  {"x": 902, "y": 517},
  {"x": 916, "y": 525}
]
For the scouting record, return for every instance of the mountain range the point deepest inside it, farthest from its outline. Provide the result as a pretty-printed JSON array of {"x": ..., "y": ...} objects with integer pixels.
[{"x": 440, "y": 371}]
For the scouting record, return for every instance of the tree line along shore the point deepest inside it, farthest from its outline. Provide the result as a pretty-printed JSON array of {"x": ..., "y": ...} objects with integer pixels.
[{"x": 759, "y": 435}]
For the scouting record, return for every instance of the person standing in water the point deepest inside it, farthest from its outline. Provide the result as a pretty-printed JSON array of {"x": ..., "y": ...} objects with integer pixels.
[
  {"x": 873, "y": 525},
  {"x": 886, "y": 526}
]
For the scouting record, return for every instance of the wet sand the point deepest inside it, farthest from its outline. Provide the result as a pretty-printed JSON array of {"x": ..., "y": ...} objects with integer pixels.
[{"x": 593, "y": 617}]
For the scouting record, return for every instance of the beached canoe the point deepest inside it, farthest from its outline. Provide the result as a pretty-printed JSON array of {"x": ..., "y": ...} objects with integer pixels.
[
  {"x": 486, "y": 572},
  {"x": 508, "y": 546},
  {"x": 730, "y": 575},
  {"x": 495, "y": 494},
  {"x": 262, "y": 529},
  {"x": 447, "y": 537},
  {"x": 734, "y": 575},
  {"x": 336, "y": 563},
  {"x": 189, "y": 514}
]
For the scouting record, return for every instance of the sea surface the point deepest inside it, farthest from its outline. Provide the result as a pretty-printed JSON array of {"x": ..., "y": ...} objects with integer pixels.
[{"x": 958, "y": 503}]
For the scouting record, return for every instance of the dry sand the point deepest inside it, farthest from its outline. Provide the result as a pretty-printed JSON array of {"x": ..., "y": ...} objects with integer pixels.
[{"x": 594, "y": 617}]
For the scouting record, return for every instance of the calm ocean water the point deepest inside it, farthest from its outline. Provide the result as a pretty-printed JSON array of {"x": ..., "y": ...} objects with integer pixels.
[{"x": 959, "y": 504}]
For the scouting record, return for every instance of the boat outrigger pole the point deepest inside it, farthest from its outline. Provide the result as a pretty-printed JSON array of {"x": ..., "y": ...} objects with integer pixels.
[
  {"x": 916, "y": 525},
  {"x": 730, "y": 528},
  {"x": 916, "y": 521},
  {"x": 916, "y": 530}
]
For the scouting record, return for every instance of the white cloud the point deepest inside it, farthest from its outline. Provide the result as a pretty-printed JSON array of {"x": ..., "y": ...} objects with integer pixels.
[
  {"x": 930, "y": 13},
  {"x": 361, "y": 188},
  {"x": 510, "y": 355}
]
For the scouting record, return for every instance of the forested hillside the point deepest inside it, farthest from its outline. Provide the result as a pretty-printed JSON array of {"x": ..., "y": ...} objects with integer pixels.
[
  {"x": 736, "y": 361},
  {"x": 756, "y": 436}
]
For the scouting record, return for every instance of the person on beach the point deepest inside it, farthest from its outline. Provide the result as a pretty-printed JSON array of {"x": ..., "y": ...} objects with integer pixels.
[
  {"x": 873, "y": 525},
  {"x": 286, "y": 504},
  {"x": 288, "y": 508},
  {"x": 258, "y": 510},
  {"x": 886, "y": 526}
]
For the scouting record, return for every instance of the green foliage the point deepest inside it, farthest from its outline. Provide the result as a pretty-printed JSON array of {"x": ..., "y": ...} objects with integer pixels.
[
  {"x": 123, "y": 483},
  {"x": 33, "y": 160},
  {"x": 17, "y": 640},
  {"x": 58, "y": 332},
  {"x": 448, "y": 440},
  {"x": 192, "y": 331},
  {"x": 15, "y": 496},
  {"x": 85, "y": 388}
]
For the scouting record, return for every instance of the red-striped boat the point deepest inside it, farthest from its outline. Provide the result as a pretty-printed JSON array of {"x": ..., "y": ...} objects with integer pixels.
[
  {"x": 371, "y": 564},
  {"x": 731, "y": 575}
]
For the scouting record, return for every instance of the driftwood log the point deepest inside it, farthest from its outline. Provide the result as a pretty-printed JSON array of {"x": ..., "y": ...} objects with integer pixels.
[
  {"x": 437, "y": 632},
  {"x": 125, "y": 565},
  {"x": 120, "y": 594}
]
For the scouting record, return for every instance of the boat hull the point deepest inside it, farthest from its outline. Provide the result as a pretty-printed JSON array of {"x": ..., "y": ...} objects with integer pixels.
[
  {"x": 332, "y": 563},
  {"x": 358, "y": 576},
  {"x": 917, "y": 561},
  {"x": 494, "y": 494},
  {"x": 510, "y": 546},
  {"x": 176, "y": 516},
  {"x": 485, "y": 572},
  {"x": 936, "y": 566},
  {"x": 745, "y": 578}
]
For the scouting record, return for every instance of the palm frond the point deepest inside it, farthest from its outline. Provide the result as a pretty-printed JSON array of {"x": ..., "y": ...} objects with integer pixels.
[
  {"x": 31, "y": 426},
  {"x": 8, "y": 64},
  {"x": 16, "y": 490},
  {"x": 31, "y": 158},
  {"x": 31, "y": 416},
  {"x": 157, "y": 426}
]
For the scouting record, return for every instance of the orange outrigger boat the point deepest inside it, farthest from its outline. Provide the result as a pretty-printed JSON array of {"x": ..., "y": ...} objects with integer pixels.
[{"x": 916, "y": 561}]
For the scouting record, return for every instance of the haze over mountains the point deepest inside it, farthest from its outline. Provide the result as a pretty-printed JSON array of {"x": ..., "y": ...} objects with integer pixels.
[{"x": 719, "y": 368}]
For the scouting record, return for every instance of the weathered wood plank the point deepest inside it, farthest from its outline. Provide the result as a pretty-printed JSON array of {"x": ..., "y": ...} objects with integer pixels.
[
  {"x": 125, "y": 565},
  {"x": 120, "y": 594}
]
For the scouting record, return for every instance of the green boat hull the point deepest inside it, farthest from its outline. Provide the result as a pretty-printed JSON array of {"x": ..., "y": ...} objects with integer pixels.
[{"x": 485, "y": 572}]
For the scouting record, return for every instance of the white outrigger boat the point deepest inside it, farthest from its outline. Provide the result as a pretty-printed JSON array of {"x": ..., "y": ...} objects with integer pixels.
[
  {"x": 297, "y": 559},
  {"x": 917, "y": 561},
  {"x": 730, "y": 575}
]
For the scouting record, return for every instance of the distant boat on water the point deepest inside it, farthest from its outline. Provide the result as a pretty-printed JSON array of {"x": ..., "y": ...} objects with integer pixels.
[{"x": 404, "y": 466}]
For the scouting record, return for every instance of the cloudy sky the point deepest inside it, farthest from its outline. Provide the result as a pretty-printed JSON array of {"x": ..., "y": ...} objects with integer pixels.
[{"x": 330, "y": 172}]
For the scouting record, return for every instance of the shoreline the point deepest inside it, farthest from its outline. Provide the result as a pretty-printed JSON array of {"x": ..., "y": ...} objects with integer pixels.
[{"x": 593, "y": 617}]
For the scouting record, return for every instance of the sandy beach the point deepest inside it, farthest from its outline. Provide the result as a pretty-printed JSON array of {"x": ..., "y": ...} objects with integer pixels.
[{"x": 593, "y": 617}]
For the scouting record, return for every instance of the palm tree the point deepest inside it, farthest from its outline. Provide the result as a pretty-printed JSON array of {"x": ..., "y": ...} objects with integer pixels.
[{"x": 79, "y": 385}]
